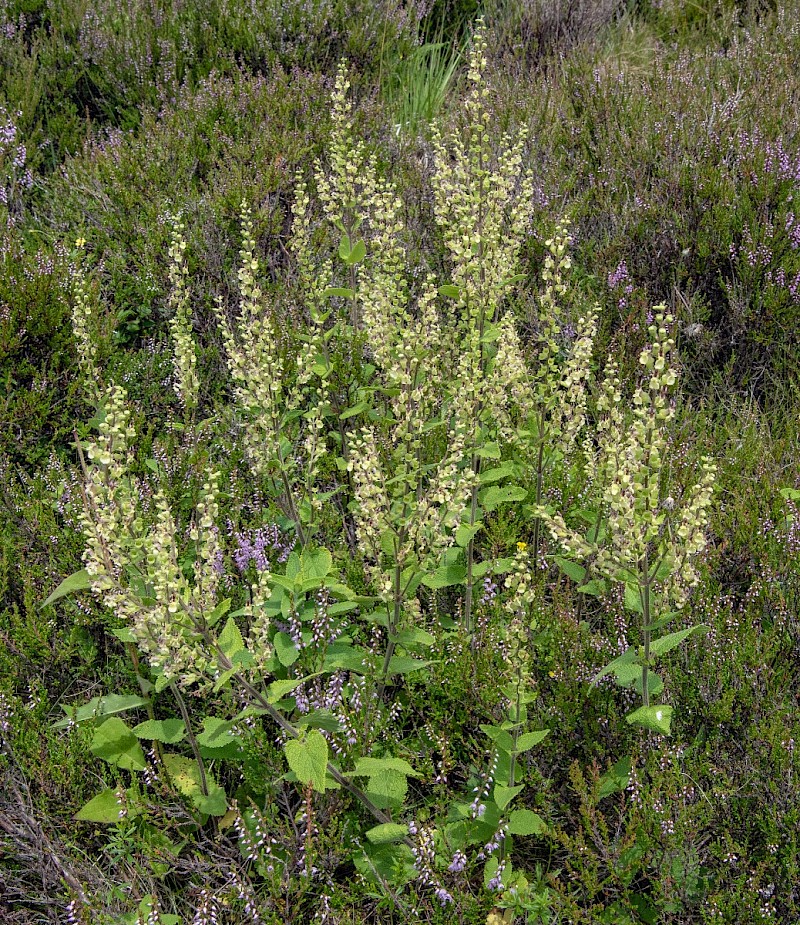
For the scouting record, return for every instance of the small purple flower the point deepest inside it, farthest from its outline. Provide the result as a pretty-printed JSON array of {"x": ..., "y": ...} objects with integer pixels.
[
  {"x": 255, "y": 547},
  {"x": 496, "y": 883},
  {"x": 619, "y": 276},
  {"x": 443, "y": 896},
  {"x": 458, "y": 863}
]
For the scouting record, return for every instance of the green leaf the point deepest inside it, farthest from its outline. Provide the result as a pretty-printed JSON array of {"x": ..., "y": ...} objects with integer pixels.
[
  {"x": 366, "y": 767},
  {"x": 218, "y": 612},
  {"x": 100, "y": 706},
  {"x": 491, "y": 451},
  {"x": 382, "y": 864},
  {"x": 145, "y": 911},
  {"x": 596, "y": 587},
  {"x": 633, "y": 598},
  {"x": 216, "y": 732},
  {"x": 293, "y": 564},
  {"x": 630, "y": 676},
  {"x": 387, "y": 789},
  {"x": 525, "y": 822},
  {"x": 77, "y": 581},
  {"x": 344, "y": 247},
  {"x": 516, "y": 278},
  {"x": 223, "y": 679},
  {"x": 115, "y": 742},
  {"x": 500, "y": 737},
  {"x": 285, "y": 649},
  {"x": 446, "y": 576},
  {"x": 489, "y": 872},
  {"x": 628, "y": 657},
  {"x": 185, "y": 775},
  {"x": 415, "y": 638},
  {"x": 316, "y": 564},
  {"x": 657, "y": 718},
  {"x": 570, "y": 569},
  {"x": 347, "y": 658},
  {"x": 465, "y": 533},
  {"x": 387, "y": 833},
  {"x": 504, "y": 795},
  {"x": 105, "y": 808},
  {"x": 339, "y": 291},
  {"x": 495, "y": 566},
  {"x": 665, "y": 643},
  {"x": 279, "y": 689},
  {"x": 497, "y": 473},
  {"x": 124, "y": 634},
  {"x": 341, "y": 607},
  {"x": 320, "y": 719},
  {"x": 357, "y": 254},
  {"x": 615, "y": 779},
  {"x": 230, "y": 639},
  {"x": 308, "y": 758},
  {"x": 215, "y": 804},
  {"x": 450, "y": 291},
  {"x": 352, "y": 412},
  {"x": 405, "y": 664},
  {"x": 168, "y": 731},
  {"x": 529, "y": 739},
  {"x": 492, "y": 497}
]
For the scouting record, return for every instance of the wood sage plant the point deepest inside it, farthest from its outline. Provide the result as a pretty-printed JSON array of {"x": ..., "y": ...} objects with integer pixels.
[
  {"x": 482, "y": 203},
  {"x": 134, "y": 566},
  {"x": 641, "y": 535},
  {"x": 280, "y": 404},
  {"x": 184, "y": 350}
]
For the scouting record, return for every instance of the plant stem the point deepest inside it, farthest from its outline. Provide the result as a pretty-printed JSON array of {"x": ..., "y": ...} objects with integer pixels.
[
  {"x": 473, "y": 513},
  {"x": 512, "y": 770},
  {"x": 537, "y": 522},
  {"x": 394, "y": 622},
  {"x": 192, "y": 740},
  {"x": 645, "y": 593},
  {"x": 293, "y": 512},
  {"x": 143, "y": 687},
  {"x": 280, "y": 720}
]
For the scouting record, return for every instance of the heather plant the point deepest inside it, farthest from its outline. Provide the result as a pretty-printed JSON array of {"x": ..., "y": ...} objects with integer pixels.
[
  {"x": 197, "y": 149},
  {"x": 15, "y": 174}
]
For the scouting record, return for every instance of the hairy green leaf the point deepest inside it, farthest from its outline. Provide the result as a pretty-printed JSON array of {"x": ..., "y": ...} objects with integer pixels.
[
  {"x": 308, "y": 758},
  {"x": 671, "y": 640},
  {"x": 77, "y": 581},
  {"x": 656, "y": 719},
  {"x": 115, "y": 742},
  {"x": 525, "y": 822},
  {"x": 168, "y": 731},
  {"x": 387, "y": 833}
]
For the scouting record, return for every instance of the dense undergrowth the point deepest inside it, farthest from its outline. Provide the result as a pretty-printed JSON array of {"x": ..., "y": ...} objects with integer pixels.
[{"x": 411, "y": 408}]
